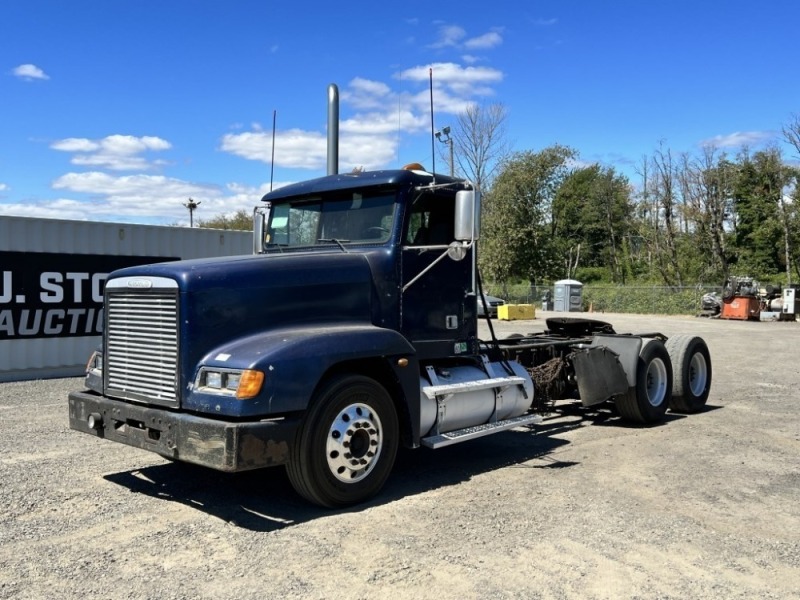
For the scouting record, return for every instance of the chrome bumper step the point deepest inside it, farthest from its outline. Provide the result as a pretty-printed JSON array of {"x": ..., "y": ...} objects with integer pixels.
[{"x": 470, "y": 433}]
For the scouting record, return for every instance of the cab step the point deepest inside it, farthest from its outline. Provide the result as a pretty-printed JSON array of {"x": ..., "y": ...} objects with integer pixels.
[
  {"x": 432, "y": 391},
  {"x": 470, "y": 433}
]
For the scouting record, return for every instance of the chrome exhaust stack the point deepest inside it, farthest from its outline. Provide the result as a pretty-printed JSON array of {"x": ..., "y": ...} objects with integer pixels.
[{"x": 333, "y": 129}]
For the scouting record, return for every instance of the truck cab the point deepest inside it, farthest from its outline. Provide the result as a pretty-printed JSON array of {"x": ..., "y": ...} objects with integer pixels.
[
  {"x": 337, "y": 341},
  {"x": 401, "y": 224}
]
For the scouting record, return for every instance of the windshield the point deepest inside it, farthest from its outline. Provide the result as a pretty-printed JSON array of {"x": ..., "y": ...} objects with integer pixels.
[{"x": 355, "y": 218}]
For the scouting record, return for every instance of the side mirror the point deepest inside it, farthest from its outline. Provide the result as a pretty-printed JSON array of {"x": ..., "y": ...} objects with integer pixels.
[
  {"x": 468, "y": 215},
  {"x": 260, "y": 218}
]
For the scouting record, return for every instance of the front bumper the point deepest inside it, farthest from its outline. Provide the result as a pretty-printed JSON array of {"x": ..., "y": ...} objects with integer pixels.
[{"x": 221, "y": 445}]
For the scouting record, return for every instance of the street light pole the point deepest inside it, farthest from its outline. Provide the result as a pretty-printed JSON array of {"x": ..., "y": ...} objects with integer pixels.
[
  {"x": 191, "y": 205},
  {"x": 444, "y": 137}
]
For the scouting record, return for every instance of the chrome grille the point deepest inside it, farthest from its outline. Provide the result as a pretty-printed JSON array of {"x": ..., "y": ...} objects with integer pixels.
[{"x": 141, "y": 360}]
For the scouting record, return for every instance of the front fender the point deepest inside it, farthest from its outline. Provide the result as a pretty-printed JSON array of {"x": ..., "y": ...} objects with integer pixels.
[{"x": 293, "y": 361}]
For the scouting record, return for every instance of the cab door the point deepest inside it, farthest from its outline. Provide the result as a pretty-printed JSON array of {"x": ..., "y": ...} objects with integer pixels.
[{"x": 437, "y": 313}]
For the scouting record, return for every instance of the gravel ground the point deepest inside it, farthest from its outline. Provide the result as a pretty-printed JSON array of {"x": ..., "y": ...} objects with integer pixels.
[{"x": 581, "y": 506}]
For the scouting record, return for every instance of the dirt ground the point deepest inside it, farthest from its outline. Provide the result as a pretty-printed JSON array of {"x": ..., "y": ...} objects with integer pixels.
[{"x": 582, "y": 506}]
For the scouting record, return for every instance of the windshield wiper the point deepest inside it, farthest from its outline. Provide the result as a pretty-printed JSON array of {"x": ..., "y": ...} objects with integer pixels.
[{"x": 335, "y": 241}]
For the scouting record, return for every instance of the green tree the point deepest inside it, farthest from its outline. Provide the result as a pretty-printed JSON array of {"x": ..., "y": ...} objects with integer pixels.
[
  {"x": 665, "y": 231},
  {"x": 241, "y": 220},
  {"x": 591, "y": 217},
  {"x": 666, "y": 194},
  {"x": 789, "y": 208},
  {"x": 707, "y": 189},
  {"x": 761, "y": 181},
  {"x": 517, "y": 216}
]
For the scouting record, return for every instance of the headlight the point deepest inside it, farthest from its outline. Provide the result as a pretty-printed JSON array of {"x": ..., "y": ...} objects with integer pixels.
[
  {"x": 95, "y": 364},
  {"x": 213, "y": 380},
  {"x": 243, "y": 384},
  {"x": 232, "y": 381},
  {"x": 94, "y": 372}
]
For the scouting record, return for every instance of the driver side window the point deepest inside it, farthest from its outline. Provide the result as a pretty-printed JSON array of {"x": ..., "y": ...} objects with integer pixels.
[
  {"x": 431, "y": 223},
  {"x": 417, "y": 228}
]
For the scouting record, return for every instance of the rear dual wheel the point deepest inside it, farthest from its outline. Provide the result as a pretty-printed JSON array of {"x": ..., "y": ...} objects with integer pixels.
[
  {"x": 691, "y": 365},
  {"x": 347, "y": 445},
  {"x": 648, "y": 400}
]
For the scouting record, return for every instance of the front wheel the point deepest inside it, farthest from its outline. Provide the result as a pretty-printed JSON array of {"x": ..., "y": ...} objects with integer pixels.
[
  {"x": 647, "y": 401},
  {"x": 347, "y": 445}
]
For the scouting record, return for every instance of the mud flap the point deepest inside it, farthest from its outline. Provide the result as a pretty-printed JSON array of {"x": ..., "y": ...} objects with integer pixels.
[{"x": 599, "y": 374}]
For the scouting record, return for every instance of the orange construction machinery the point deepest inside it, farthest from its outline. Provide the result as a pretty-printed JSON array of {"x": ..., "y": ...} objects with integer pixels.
[{"x": 745, "y": 300}]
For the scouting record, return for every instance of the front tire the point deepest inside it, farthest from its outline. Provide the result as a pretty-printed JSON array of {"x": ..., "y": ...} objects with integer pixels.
[
  {"x": 347, "y": 445},
  {"x": 647, "y": 401},
  {"x": 691, "y": 366}
]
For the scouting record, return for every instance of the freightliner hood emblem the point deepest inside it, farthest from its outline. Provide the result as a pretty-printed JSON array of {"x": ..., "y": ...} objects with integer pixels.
[{"x": 140, "y": 283}]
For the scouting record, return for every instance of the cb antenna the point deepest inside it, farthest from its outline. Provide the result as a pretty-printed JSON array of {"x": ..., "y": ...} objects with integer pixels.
[
  {"x": 433, "y": 147},
  {"x": 272, "y": 160}
]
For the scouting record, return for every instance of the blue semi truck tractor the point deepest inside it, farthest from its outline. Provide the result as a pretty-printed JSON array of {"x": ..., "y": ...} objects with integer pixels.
[{"x": 352, "y": 329}]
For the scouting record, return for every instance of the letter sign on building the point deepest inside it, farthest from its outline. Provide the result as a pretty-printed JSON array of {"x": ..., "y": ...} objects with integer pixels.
[{"x": 45, "y": 294}]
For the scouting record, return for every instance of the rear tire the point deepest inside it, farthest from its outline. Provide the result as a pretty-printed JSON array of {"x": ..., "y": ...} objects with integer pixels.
[
  {"x": 347, "y": 445},
  {"x": 647, "y": 401},
  {"x": 691, "y": 369}
]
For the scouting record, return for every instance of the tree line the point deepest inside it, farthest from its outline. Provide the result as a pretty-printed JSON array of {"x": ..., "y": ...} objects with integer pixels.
[{"x": 688, "y": 219}]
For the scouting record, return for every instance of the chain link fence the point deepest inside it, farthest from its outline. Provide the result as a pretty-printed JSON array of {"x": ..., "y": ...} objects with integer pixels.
[{"x": 639, "y": 299}]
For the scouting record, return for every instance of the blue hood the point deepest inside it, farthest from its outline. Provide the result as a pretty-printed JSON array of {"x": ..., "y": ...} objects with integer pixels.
[{"x": 225, "y": 298}]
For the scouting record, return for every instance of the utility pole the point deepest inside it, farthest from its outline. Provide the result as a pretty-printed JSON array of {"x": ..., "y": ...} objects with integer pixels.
[
  {"x": 191, "y": 205},
  {"x": 444, "y": 137}
]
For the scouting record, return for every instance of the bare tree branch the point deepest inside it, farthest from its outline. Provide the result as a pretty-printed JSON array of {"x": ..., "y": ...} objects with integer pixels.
[{"x": 480, "y": 143}]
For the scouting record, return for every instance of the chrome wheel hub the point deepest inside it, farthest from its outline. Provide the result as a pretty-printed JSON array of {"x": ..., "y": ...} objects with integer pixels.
[{"x": 354, "y": 443}]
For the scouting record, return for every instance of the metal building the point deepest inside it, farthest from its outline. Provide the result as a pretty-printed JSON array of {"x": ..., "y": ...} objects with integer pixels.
[{"x": 52, "y": 274}]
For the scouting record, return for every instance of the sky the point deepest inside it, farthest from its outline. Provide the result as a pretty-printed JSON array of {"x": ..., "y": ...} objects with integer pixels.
[{"x": 123, "y": 110}]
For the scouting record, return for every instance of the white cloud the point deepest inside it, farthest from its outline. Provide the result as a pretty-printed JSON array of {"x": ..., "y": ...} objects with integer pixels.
[
  {"x": 382, "y": 123},
  {"x": 368, "y": 151},
  {"x": 367, "y": 144},
  {"x": 3, "y": 187},
  {"x": 61, "y": 208},
  {"x": 129, "y": 186},
  {"x": 444, "y": 102},
  {"x": 454, "y": 36},
  {"x": 545, "y": 22},
  {"x": 487, "y": 40},
  {"x": 739, "y": 139},
  {"x": 366, "y": 94},
  {"x": 294, "y": 148},
  {"x": 75, "y": 145},
  {"x": 139, "y": 198},
  {"x": 29, "y": 72},
  {"x": 370, "y": 137},
  {"x": 114, "y": 152},
  {"x": 385, "y": 112},
  {"x": 449, "y": 36},
  {"x": 452, "y": 73},
  {"x": 127, "y": 144},
  {"x": 455, "y": 86}
]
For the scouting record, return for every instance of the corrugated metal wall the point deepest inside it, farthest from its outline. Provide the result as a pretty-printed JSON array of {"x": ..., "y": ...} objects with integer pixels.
[{"x": 44, "y": 249}]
